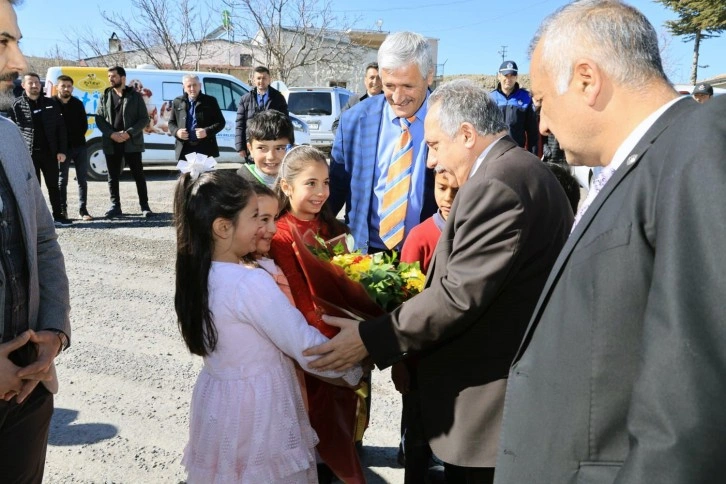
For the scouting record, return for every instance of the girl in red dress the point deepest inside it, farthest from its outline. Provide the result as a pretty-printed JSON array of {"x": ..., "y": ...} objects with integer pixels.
[{"x": 303, "y": 188}]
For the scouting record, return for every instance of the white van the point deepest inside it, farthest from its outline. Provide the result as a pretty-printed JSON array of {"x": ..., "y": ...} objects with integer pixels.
[
  {"x": 158, "y": 88},
  {"x": 319, "y": 107}
]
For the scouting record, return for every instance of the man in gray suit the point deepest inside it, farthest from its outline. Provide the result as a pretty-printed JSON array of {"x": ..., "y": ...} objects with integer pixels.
[
  {"x": 34, "y": 324},
  {"x": 508, "y": 223},
  {"x": 621, "y": 376}
]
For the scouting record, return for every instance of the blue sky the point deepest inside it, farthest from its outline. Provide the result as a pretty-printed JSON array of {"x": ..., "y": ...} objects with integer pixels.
[{"x": 471, "y": 32}]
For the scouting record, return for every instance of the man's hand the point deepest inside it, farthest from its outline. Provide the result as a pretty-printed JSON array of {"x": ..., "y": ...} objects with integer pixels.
[
  {"x": 182, "y": 134},
  {"x": 10, "y": 383},
  {"x": 117, "y": 138},
  {"x": 201, "y": 133},
  {"x": 49, "y": 345},
  {"x": 60, "y": 157},
  {"x": 343, "y": 351},
  {"x": 242, "y": 153}
]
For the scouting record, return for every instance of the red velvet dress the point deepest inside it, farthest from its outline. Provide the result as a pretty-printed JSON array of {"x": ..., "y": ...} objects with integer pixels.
[{"x": 332, "y": 408}]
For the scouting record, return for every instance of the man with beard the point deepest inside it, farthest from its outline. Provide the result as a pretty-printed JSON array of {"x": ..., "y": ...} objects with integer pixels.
[
  {"x": 34, "y": 324},
  {"x": 122, "y": 117},
  {"x": 516, "y": 106},
  {"x": 41, "y": 123},
  {"x": 74, "y": 115}
]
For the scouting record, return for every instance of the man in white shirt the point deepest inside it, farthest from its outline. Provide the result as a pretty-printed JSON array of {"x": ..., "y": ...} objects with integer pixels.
[{"x": 620, "y": 376}]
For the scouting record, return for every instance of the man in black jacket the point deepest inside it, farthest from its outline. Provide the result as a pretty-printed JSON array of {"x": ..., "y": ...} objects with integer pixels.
[
  {"x": 261, "y": 98},
  {"x": 195, "y": 120},
  {"x": 74, "y": 115},
  {"x": 122, "y": 117},
  {"x": 41, "y": 123}
]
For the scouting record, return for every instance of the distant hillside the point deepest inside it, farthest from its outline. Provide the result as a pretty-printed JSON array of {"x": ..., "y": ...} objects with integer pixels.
[{"x": 489, "y": 82}]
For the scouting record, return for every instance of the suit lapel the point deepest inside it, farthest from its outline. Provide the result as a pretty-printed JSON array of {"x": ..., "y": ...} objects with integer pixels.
[{"x": 631, "y": 162}]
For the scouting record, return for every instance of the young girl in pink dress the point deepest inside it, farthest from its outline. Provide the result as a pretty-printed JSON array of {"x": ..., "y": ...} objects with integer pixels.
[{"x": 247, "y": 422}]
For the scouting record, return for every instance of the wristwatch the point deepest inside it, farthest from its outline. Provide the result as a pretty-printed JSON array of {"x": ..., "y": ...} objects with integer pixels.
[{"x": 62, "y": 337}]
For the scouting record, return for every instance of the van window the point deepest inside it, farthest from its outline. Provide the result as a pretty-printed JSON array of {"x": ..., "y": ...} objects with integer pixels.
[
  {"x": 343, "y": 99},
  {"x": 310, "y": 103},
  {"x": 171, "y": 90},
  {"x": 227, "y": 93}
]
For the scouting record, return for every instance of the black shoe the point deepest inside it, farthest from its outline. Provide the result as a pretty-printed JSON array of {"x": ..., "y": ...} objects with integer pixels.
[
  {"x": 64, "y": 213},
  {"x": 113, "y": 212},
  {"x": 61, "y": 221},
  {"x": 146, "y": 212}
]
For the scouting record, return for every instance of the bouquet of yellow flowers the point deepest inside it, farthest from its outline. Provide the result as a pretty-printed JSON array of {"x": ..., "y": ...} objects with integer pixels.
[
  {"x": 387, "y": 283},
  {"x": 347, "y": 283}
]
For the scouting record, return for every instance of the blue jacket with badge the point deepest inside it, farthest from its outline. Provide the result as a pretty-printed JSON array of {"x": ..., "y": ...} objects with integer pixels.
[{"x": 519, "y": 115}]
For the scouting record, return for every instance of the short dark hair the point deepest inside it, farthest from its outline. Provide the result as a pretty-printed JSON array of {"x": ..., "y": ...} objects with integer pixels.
[
  {"x": 372, "y": 65},
  {"x": 270, "y": 125},
  {"x": 568, "y": 182},
  {"x": 64, "y": 78},
  {"x": 262, "y": 190},
  {"x": 262, "y": 70},
  {"x": 31, "y": 74},
  {"x": 119, "y": 70}
]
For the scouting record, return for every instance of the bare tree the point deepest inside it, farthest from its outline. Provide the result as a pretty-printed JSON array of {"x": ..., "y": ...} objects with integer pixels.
[
  {"x": 89, "y": 45},
  {"x": 292, "y": 36},
  {"x": 167, "y": 33}
]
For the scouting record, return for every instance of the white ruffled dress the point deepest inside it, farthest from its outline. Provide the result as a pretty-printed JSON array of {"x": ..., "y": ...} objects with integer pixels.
[{"x": 248, "y": 423}]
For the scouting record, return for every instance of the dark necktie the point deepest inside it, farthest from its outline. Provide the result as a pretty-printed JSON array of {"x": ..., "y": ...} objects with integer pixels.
[{"x": 193, "y": 124}]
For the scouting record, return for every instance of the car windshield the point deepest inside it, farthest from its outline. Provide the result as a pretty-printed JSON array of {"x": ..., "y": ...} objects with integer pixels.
[{"x": 310, "y": 103}]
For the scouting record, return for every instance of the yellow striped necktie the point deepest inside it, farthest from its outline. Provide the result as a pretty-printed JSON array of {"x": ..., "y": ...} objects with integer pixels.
[{"x": 398, "y": 181}]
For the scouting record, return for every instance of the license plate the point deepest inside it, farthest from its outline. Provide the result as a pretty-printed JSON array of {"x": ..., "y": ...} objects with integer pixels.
[{"x": 314, "y": 125}]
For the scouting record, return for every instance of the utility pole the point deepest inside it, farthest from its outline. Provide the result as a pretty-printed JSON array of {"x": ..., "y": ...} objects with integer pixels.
[{"x": 503, "y": 52}]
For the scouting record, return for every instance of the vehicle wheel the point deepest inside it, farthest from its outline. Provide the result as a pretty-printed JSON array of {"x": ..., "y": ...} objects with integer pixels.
[{"x": 97, "y": 169}]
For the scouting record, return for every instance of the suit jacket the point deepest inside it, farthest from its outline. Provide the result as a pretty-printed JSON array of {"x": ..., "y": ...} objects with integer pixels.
[
  {"x": 248, "y": 107},
  {"x": 209, "y": 117},
  {"x": 352, "y": 163},
  {"x": 621, "y": 375},
  {"x": 506, "y": 227},
  {"x": 48, "y": 298}
]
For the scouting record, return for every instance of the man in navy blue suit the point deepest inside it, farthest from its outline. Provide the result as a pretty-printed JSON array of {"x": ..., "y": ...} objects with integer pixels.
[{"x": 367, "y": 137}]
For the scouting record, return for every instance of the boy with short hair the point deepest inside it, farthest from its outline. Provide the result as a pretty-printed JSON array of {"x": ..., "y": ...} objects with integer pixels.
[{"x": 269, "y": 136}]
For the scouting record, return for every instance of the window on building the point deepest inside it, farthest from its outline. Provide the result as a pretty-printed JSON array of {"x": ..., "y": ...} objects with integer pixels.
[{"x": 245, "y": 60}]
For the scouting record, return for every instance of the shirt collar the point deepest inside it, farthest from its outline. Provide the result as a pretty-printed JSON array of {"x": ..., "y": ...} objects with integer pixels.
[
  {"x": 637, "y": 134},
  {"x": 483, "y": 155}
]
